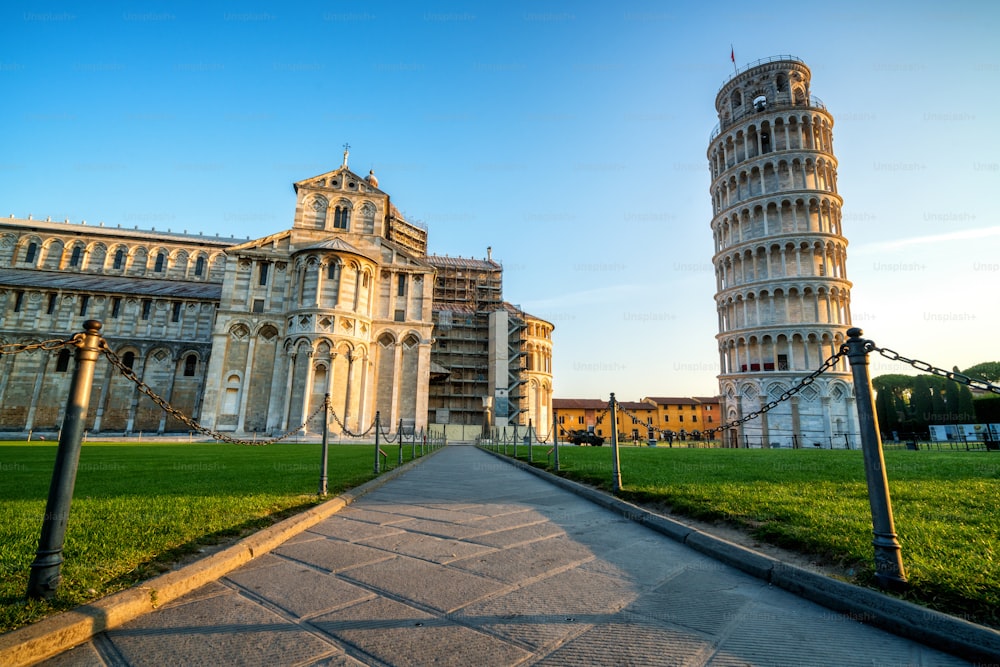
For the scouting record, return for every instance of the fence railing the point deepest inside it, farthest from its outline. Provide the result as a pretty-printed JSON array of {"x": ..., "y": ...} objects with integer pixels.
[
  {"x": 889, "y": 570},
  {"x": 45, "y": 574}
]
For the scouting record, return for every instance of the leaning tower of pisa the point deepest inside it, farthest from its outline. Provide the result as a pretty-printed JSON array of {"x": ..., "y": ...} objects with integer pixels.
[{"x": 782, "y": 292}]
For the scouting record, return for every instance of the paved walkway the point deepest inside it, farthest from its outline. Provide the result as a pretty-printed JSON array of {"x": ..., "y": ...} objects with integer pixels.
[{"x": 466, "y": 560}]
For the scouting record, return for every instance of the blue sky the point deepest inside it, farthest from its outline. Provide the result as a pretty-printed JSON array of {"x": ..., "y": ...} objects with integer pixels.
[{"x": 568, "y": 136}]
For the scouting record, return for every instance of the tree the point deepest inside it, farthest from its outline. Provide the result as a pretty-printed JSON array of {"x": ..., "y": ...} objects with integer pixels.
[{"x": 987, "y": 370}]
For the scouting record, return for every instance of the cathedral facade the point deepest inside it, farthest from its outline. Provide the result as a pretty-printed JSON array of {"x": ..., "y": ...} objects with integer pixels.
[{"x": 244, "y": 335}]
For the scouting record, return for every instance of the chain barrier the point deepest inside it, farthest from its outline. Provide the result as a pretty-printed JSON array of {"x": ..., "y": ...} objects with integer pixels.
[
  {"x": 46, "y": 345},
  {"x": 544, "y": 439},
  {"x": 805, "y": 382},
  {"x": 389, "y": 440},
  {"x": 923, "y": 366},
  {"x": 180, "y": 416},
  {"x": 343, "y": 426}
]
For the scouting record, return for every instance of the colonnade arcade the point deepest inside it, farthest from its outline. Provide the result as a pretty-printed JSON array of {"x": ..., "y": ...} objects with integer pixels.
[
  {"x": 794, "y": 304},
  {"x": 795, "y": 131},
  {"x": 799, "y": 351},
  {"x": 775, "y": 176},
  {"x": 330, "y": 280},
  {"x": 789, "y": 259},
  {"x": 56, "y": 254},
  {"x": 781, "y": 215}
]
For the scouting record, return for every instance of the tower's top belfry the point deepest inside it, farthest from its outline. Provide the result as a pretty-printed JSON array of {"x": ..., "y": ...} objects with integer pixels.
[{"x": 776, "y": 82}]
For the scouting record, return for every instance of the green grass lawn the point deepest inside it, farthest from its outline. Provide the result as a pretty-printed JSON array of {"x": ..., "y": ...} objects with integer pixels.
[
  {"x": 138, "y": 508},
  {"x": 946, "y": 507}
]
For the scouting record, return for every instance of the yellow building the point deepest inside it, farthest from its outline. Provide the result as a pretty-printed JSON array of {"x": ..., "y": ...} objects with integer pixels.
[
  {"x": 538, "y": 371},
  {"x": 663, "y": 418}
]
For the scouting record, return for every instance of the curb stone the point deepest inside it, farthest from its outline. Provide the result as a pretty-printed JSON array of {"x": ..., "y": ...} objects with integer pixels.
[
  {"x": 971, "y": 641},
  {"x": 53, "y": 635}
]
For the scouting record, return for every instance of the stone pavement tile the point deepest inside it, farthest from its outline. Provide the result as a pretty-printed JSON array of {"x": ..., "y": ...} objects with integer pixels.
[
  {"x": 298, "y": 589},
  {"x": 428, "y": 547},
  {"x": 707, "y": 612},
  {"x": 528, "y": 561},
  {"x": 427, "y": 584},
  {"x": 498, "y": 510},
  {"x": 645, "y": 563},
  {"x": 339, "y": 660},
  {"x": 519, "y": 535},
  {"x": 332, "y": 555},
  {"x": 458, "y": 531},
  {"x": 550, "y": 611},
  {"x": 371, "y": 516},
  {"x": 211, "y": 589},
  {"x": 625, "y": 643},
  {"x": 800, "y": 641},
  {"x": 414, "y": 511},
  {"x": 85, "y": 655},
  {"x": 400, "y": 635},
  {"x": 350, "y": 530},
  {"x": 709, "y": 601},
  {"x": 781, "y": 628},
  {"x": 609, "y": 531},
  {"x": 221, "y": 630},
  {"x": 507, "y": 516}
]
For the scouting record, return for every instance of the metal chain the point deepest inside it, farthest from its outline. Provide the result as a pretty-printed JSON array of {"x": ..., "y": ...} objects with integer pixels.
[
  {"x": 385, "y": 434},
  {"x": 48, "y": 345},
  {"x": 961, "y": 378},
  {"x": 188, "y": 421},
  {"x": 344, "y": 429},
  {"x": 806, "y": 381}
]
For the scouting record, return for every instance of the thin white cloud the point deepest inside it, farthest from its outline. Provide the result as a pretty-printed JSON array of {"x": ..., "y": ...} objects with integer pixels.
[{"x": 958, "y": 235}]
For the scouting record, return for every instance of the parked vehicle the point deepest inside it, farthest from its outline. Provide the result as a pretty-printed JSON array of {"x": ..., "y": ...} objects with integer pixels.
[{"x": 585, "y": 438}]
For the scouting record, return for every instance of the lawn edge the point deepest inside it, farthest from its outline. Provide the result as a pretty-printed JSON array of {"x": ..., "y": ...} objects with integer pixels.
[
  {"x": 974, "y": 642},
  {"x": 53, "y": 635}
]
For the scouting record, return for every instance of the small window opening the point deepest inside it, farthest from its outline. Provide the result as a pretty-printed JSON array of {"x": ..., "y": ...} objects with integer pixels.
[{"x": 62, "y": 363}]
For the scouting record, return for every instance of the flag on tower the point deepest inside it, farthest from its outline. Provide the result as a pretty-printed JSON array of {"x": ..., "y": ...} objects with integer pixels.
[{"x": 732, "y": 54}]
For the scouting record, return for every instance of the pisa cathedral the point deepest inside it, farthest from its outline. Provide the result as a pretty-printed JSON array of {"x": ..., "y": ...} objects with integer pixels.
[
  {"x": 782, "y": 293},
  {"x": 249, "y": 335}
]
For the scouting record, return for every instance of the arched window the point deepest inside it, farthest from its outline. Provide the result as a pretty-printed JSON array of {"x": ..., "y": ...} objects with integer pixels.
[
  {"x": 781, "y": 83},
  {"x": 190, "y": 365},
  {"x": 128, "y": 359},
  {"x": 160, "y": 259},
  {"x": 74, "y": 258},
  {"x": 119, "y": 258},
  {"x": 342, "y": 218},
  {"x": 199, "y": 266},
  {"x": 29, "y": 257}
]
